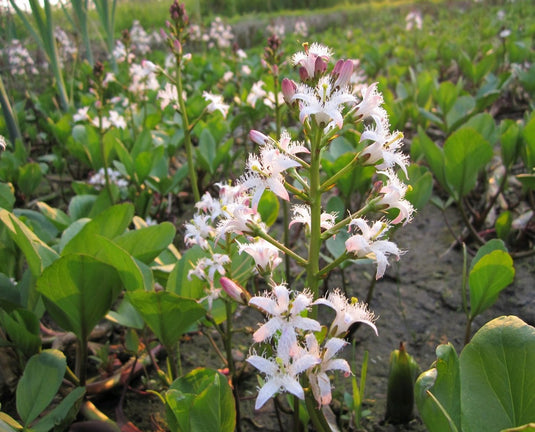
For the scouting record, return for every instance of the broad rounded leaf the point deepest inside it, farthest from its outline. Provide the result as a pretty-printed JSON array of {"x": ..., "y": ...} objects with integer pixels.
[
  {"x": 466, "y": 152},
  {"x": 489, "y": 276},
  {"x": 39, "y": 383},
  {"x": 147, "y": 243},
  {"x": 213, "y": 407},
  {"x": 78, "y": 291},
  {"x": 498, "y": 377},
  {"x": 168, "y": 315},
  {"x": 443, "y": 382}
]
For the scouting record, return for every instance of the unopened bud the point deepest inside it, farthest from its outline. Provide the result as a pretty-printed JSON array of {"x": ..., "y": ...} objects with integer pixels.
[
  {"x": 288, "y": 90},
  {"x": 235, "y": 291},
  {"x": 259, "y": 138}
]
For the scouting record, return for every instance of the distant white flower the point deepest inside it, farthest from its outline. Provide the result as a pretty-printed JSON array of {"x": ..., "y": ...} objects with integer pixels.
[
  {"x": 99, "y": 179},
  {"x": 413, "y": 20},
  {"x": 81, "y": 115},
  {"x": 169, "y": 95},
  {"x": 117, "y": 120},
  {"x": 347, "y": 313},
  {"x": 368, "y": 244},
  {"x": 505, "y": 33},
  {"x": 3, "y": 143},
  {"x": 256, "y": 92},
  {"x": 215, "y": 103}
]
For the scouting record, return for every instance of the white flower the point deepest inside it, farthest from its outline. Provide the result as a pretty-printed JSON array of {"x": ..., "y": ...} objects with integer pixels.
[
  {"x": 256, "y": 92},
  {"x": 265, "y": 172},
  {"x": 386, "y": 147},
  {"x": 370, "y": 105},
  {"x": 81, "y": 115},
  {"x": 264, "y": 254},
  {"x": 393, "y": 194},
  {"x": 117, "y": 120},
  {"x": 216, "y": 103},
  {"x": 169, "y": 95},
  {"x": 281, "y": 372},
  {"x": 323, "y": 102},
  {"x": 347, "y": 313},
  {"x": 285, "y": 313},
  {"x": 368, "y": 244},
  {"x": 302, "y": 215},
  {"x": 198, "y": 231},
  {"x": 317, "y": 375}
]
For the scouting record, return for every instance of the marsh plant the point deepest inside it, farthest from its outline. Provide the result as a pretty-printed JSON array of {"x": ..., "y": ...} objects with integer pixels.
[{"x": 293, "y": 350}]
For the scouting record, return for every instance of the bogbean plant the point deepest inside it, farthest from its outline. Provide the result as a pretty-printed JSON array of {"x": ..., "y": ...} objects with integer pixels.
[
  {"x": 294, "y": 351},
  {"x": 98, "y": 260}
]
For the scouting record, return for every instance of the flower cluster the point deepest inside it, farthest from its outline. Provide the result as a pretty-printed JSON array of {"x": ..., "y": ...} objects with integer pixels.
[
  {"x": 19, "y": 59},
  {"x": 296, "y": 347}
]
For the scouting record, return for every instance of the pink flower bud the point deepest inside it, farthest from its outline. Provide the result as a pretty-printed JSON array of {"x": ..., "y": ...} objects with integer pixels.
[
  {"x": 344, "y": 73},
  {"x": 303, "y": 74},
  {"x": 288, "y": 90},
  {"x": 320, "y": 66},
  {"x": 235, "y": 291},
  {"x": 258, "y": 137}
]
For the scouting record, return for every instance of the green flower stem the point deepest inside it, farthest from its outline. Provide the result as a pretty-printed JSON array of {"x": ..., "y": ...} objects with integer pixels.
[
  {"x": 299, "y": 259},
  {"x": 187, "y": 135},
  {"x": 334, "y": 264},
  {"x": 316, "y": 415},
  {"x": 315, "y": 214},
  {"x": 335, "y": 228},
  {"x": 327, "y": 184}
]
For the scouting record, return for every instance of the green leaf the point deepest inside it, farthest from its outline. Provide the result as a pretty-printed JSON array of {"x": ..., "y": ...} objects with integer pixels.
[
  {"x": 490, "y": 246},
  {"x": 503, "y": 225},
  {"x": 30, "y": 176},
  {"x": 168, "y": 315},
  {"x": 177, "y": 409},
  {"x": 207, "y": 151},
  {"x": 37, "y": 253},
  {"x": 446, "y": 96},
  {"x": 212, "y": 408},
  {"x": 126, "y": 315},
  {"x": 110, "y": 223},
  {"x": 484, "y": 124},
  {"x": 62, "y": 415},
  {"x": 22, "y": 327},
  {"x": 489, "y": 276},
  {"x": 39, "y": 383},
  {"x": 80, "y": 206},
  {"x": 79, "y": 290},
  {"x": 107, "y": 251},
  {"x": 466, "y": 153},
  {"x": 421, "y": 182},
  {"x": 268, "y": 207},
  {"x": 143, "y": 165},
  {"x": 7, "y": 197},
  {"x": 434, "y": 155},
  {"x": 178, "y": 281},
  {"x": 147, "y": 243},
  {"x": 460, "y": 111},
  {"x": 497, "y": 376},
  {"x": 54, "y": 215},
  {"x": 528, "y": 154},
  {"x": 510, "y": 141},
  {"x": 443, "y": 381}
]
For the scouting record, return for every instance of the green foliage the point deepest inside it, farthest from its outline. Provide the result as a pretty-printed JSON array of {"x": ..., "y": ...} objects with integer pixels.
[
  {"x": 491, "y": 271},
  {"x": 491, "y": 376},
  {"x": 79, "y": 290},
  {"x": 200, "y": 400},
  {"x": 168, "y": 315}
]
